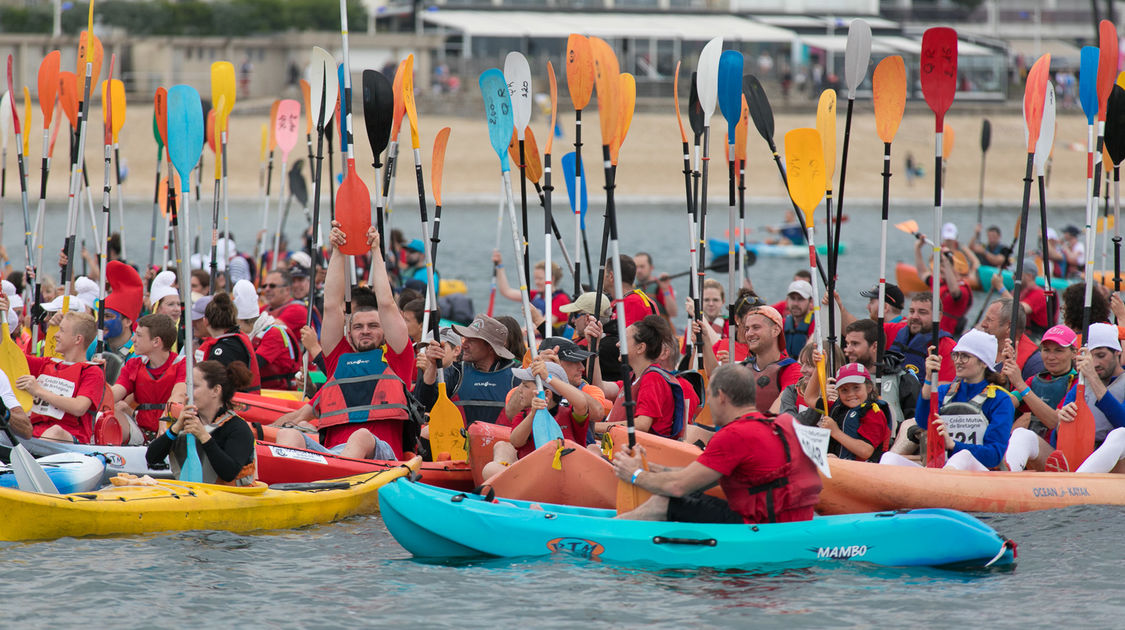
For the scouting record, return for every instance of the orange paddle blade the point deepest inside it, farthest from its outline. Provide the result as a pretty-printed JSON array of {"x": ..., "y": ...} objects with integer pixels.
[
  {"x": 437, "y": 163},
  {"x": 554, "y": 106},
  {"x": 400, "y": 106},
  {"x": 211, "y": 129},
  {"x": 676, "y": 101},
  {"x": 579, "y": 70},
  {"x": 96, "y": 59},
  {"x": 68, "y": 97},
  {"x": 163, "y": 194},
  {"x": 533, "y": 169},
  {"x": 408, "y": 100},
  {"x": 608, "y": 86},
  {"x": 160, "y": 109},
  {"x": 273, "y": 125},
  {"x": 1076, "y": 439},
  {"x": 740, "y": 133},
  {"x": 447, "y": 427},
  {"x": 307, "y": 96},
  {"x": 49, "y": 85},
  {"x": 627, "y": 102},
  {"x": 947, "y": 138},
  {"x": 1107, "y": 64},
  {"x": 1034, "y": 95},
  {"x": 889, "y": 91}
]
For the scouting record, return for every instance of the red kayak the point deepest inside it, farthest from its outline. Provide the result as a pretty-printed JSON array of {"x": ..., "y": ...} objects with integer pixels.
[{"x": 282, "y": 464}]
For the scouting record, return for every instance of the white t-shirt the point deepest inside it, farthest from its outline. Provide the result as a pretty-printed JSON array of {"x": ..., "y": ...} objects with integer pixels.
[{"x": 7, "y": 396}]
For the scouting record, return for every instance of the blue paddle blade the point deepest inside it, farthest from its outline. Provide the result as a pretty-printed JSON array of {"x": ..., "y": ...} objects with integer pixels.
[
  {"x": 192, "y": 468},
  {"x": 568, "y": 174},
  {"x": 185, "y": 131},
  {"x": 345, "y": 133},
  {"x": 498, "y": 111},
  {"x": 544, "y": 428},
  {"x": 1088, "y": 82},
  {"x": 730, "y": 90}
]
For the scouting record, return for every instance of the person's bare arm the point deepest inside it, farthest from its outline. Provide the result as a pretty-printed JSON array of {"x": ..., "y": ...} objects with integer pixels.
[
  {"x": 332, "y": 320},
  {"x": 390, "y": 317}
]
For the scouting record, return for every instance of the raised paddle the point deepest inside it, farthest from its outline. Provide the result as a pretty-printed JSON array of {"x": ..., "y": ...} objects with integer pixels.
[
  {"x": 22, "y": 168},
  {"x": 1107, "y": 74},
  {"x": 260, "y": 243},
  {"x": 286, "y": 130},
  {"x": 1043, "y": 150},
  {"x": 691, "y": 231},
  {"x": 888, "y": 86},
  {"x": 378, "y": 115},
  {"x": 608, "y": 85},
  {"x": 352, "y": 199},
  {"x": 392, "y": 152},
  {"x": 518, "y": 74},
  {"x": 212, "y": 122},
  {"x": 48, "y": 97},
  {"x": 415, "y": 145},
  {"x": 224, "y": 92},
  {"x": 437, "y": 168},
  {"x": 1088, "y": 97},
  {"x": 117, "y": 96},
  {"x": 729, "y": 87},
  {"x": 159, "y": 102},
  {"x": 857, "y": 56},
  {"x": 826, "y": 126},
  {"x": 938, "y": 75},
  {"x": 185, "y": 145},
  {"x": 985, "y": 143},
  {"x": 107, "y": 130},
  {"x": 498, "y": 113},
  {"x": 548, "y": 217},
  {"x": 580, "y": 84},
  {"x": 705, "y": 86},
  {"x": 740, "y": 136},
  {"x": 1033, "y": 101}
]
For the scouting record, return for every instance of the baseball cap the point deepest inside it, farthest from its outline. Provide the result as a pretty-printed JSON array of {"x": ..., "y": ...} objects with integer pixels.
[
  {"x": 416, "y": 246},
  {"x": 1062, "y": 335},
  {"x": 554, "y": 370},
  {"x": 566, "y": 349},
  {"x": 1103, "y": 336},
  {"x": 1029, "y": 266},
  {"x": 892, "y": 295},
  {"x": 949, "y": 232},
  {"x": 586, "y": 304},
  {"x": 801, "y": 288},
  {"x": 983, "y": 346},
  {"x": 198, "y": 306},
  {"x": 852, "y": 373}
]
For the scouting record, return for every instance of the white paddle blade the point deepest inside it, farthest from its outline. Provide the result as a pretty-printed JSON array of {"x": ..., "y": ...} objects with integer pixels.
[
  {"x": 1046, "y": 140},
  {"x": 6, "y": 116},
  {"x": 518, "y": 75},
  {"x": 324, "y": 86},
  {"x": 707, "y": 78},
  {"x": 857, "y": 55},
  {"x": 30, "y": 476}
]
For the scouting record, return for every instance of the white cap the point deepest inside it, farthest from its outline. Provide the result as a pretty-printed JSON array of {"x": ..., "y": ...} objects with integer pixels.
[
  {"x": 245, "y": 299},
  {"x": 1103, "y": 336},
  {"x": 300, "y": 258},
  {"x": 979, "y": 344},
  {"x": 76, "y": 305},
  {"x": 9, "y": 288},
  {"x": 949, "y": 232},
  {"x": 1052, "y": 234},
  {"x": 800, "y": 287},
  {"x": 15, "y": 306},
  {"x": 87, "y": 291}
]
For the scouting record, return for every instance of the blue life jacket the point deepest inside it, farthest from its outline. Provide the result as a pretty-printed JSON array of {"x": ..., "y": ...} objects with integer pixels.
[
  {"x": 797, "y": 334},
  {"x": 481, "y": 395},
  {"x": 913, "y": 347}
]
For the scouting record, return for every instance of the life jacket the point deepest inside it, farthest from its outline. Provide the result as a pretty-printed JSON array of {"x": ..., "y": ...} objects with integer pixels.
[
  {"x": 246, "y": 476},
  {"x": 891, "y": 385},
  {"x": 151, "y": 391},
  {"x": 649, "y": 302},
  {"x": 849, "y": 421},
  {"x": 1051, "y": 390},
  {"x": 768, "y": 389},
  {"x": 1102, "y": 425},
  {"x": 364, "y": 389},
  {"x": 797, "y": 333},
  {"x": 255, "y": 371},
  {"x": 796, "y": 484},
  {"x": 679, "y": 410},
  {"x": 61, "y": 377},
  {"x": 913, "y": 347},
  {"x": 965, "y": 421},
  {"x": 276, "y": 375},
  {"x": 481, "y": 395}
]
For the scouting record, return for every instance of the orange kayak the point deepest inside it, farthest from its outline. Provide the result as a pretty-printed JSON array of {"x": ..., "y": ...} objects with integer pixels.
[
  {"x": 482, "y": 437},
  {"x": 582, "y": 478},
  {"x": 864, "y": 487},
  {"x": 906, "y": 277}
]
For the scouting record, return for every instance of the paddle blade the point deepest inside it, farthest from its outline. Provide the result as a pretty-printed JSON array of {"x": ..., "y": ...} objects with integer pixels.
[
  {"x": 626, "y": 104},
  {"x": 160, "y": 117},
  {"x": 676, "y": 101},
  {"x": 192, "y": 468},
  {"x": 889, "y": 92},
  {"x": 533, "y": 166},
  {"x": 1088, "y": 82},
  {"x": 909, "y": 226},
  {"x": 544, "y": 429},
  {"x": 353, "y": 211},
  {"x": 297, "y": 185},
  {"x": 938, "y": 65},
  {"x": 49, "y": 85},
  {"x": 324, "y": 87},
  {"x": 498, "y": 112},
  {"x": 211, "y": 130},
  {"x": 1107, "y": 63},
  {"x": 1076, "y": 439},
  {"x": 986, "y": 134},
  {"x": 273, "y": 125},
  {"x": 185, "y": 131},
  {"x": 68, "y": 97},
  {"x": 568, "y": 174},
  {"x": 437, "y": 163},
  {"x": 117, "y": 99},
  {"x": 826, "y": 126},
  {"x": 741, "y": 132},
  {"x": 447, "y": 427},
  {"x": 306, "y": 96},
  {"x": 14, "y": 364},
  {"x": 26, "y": 120},
  {"x": 1033, "y": 99},
  {"x": 408, "y": 100},
  {"x": 947, "y": 141},
  {"x": 608, "y": 85},
  {"x": 804, "y": 160},
  {"x": 1047, "y": 129},
  {"x": 579, "y": 70},
  {"x": 707, "y": 73},
  {"x": 5, "y": 117},
  {"x": 518, "y": 75},
  {"x": 287, "y": 125},
  {"x": 1114, "y": 125},
  {"x": 857, "y": 55},
  {"x": 30, "y": 476},
  {"x": 759, "y": 104},
  {"x": 554, "y": 94},
  {"x": 695, "y": 110},
  {"x": 223, "y": 85},
  {"x": 400, "y": 106},
  {"x": 730, "y": 88},
  {"x": 94, "y": 55},
  {"x": 378, "y": 110}
]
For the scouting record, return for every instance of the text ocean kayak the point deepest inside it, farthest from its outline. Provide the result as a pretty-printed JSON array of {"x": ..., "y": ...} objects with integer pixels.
[
  {"x": 182, "y": 506},
  {"x": 281, "y": 464},
  {"x": 432, "y": 522}
]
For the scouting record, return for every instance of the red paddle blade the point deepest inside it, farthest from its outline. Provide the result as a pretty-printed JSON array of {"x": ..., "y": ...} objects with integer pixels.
[
  {"x": 353, "y": 211},
  {"x": 211, "y": 129},
  {"x": 1076, "y": 439},
  {"x": 935, "y": 444},
  {"x": 1107, "y": 64},
  {"x": 1033, "y": 98},
  {"x": 939, "y": 70},
  {"x": 160, "y": 110}
]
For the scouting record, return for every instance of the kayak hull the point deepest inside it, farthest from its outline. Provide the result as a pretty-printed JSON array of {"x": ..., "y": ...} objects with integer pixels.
[
  {"x": 435, "y": 523},
  {"x": 282, "y": 464},
  {"x": 582, "y": 478},
  {"x": 70, "y": 472},
  {"x": 985, "y": 273},
  {"x": 907, "y": 279},
  {"x": 864, "y": 487},
  {"x": 184, "y": 506},
  {"x": 119, "y": 459}
]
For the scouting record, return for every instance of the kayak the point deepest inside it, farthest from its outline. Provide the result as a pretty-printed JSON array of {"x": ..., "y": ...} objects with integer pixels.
[
  {"x": 282, "y": 464},
  {"x": 482, "y": 437},
  {"x": 185, "y": 506},
  {"x": 70, "y": 472},
  {"x": 907, "y": 279},
  {"x": 119, "y": 459},
  {"x": 717, "y": 247},
  {"x": 985, "y": 273},
  {"x": 564, "y": 473},
  {"x": 263, "y": 409},
  {"x": 865, "y": 487},
  {"x": 435, "y": 523}
]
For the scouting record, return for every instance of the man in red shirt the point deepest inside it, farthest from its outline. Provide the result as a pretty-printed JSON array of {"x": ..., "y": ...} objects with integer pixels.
[
  {"x": 637, "y": 304},
  {"x": 278, "y": 294},
  {"x": 762, "y": 330},
  {"x": 755, "y": 459},
  {"x": 67, "y": 391}
]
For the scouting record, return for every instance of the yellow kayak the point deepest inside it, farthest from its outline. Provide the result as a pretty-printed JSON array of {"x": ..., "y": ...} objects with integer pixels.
[{"x": 181, "y": 506}]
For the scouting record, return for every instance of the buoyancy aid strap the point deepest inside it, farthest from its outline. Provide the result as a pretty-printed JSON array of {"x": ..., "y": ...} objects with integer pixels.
[
  {"x": 348, "y": 410},
  {"x": 780, "y": 482},
  {"x": 479, "y": 403}
]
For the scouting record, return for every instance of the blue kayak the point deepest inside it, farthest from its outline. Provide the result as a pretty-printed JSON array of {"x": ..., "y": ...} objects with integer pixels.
[
  {"x": 70, "y": 472},
  {"x": 437, "y": 523},
  {"x": 718, "y": 247}
]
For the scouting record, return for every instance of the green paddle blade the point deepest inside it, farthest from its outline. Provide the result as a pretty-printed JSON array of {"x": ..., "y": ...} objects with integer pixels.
[{"x": 185, "y": 131}]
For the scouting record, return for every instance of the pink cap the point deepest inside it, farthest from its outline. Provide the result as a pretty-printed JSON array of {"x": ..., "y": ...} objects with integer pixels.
[
  {"x": 852, "y": 373},
  {"x": 1061, "y": 335}
]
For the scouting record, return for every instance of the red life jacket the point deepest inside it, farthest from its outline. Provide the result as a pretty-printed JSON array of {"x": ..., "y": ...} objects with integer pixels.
[
  {"x": 364, "y": 389},
  {"x": 81, "y": 427},
  {"x": 205, "y": 349},
  {"x": 152, "y": 391},
  {"x": 768, "y": 388},
  {"x": 795, "y": 485},
  {"x": 280, "y": 374}
]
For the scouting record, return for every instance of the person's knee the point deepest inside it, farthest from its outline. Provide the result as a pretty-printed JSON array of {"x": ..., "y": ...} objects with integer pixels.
[
  {"x": 504, "y": 453},
  {"x": 291, "y": 438},
  {"x": 57, "y": 433},
  {"x": 1116, "y": 438},
  {"x": 964, "y": 460}
]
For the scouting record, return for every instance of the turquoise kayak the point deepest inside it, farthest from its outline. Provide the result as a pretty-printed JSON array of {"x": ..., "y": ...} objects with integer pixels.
[
  {"x": 985, "y": 273},
  {"x": 718, "y": 247},
  {"x": 437, "y": 523}
]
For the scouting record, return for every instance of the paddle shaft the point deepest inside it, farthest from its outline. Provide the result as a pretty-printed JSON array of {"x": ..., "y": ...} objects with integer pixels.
[
  {"x": 1052, "y": 297},
  {"x": 1017, "y": 289},
  {"x": 548, "y": 268},
  {"x": 312, "y": 250},
  {"x": 1091, "y": 209},
  {"x": 523, "y": 210},
  {"x": 623, "y": 336},
  {"x": 155, "y": 210},
  {"x": 935, "y": 444},
  {"x": 578, "y": 209},
  {"x": 881, "y": 333},
  {"x": 732, "y": 288}
]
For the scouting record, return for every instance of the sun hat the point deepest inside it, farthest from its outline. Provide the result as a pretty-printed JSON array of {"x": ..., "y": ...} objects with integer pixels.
[
  {"x": 1103, "y": 336},
  {"x": 852, "y": 373},
  {"x": 1062, "y": 335},
  {"x": 981, "y": 345},
  {"x": 489, "y": 331},
  {"x": 554, "y": 370}
]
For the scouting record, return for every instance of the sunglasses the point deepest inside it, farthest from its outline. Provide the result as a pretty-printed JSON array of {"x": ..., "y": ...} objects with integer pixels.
[{"x": 274, "y": 286}]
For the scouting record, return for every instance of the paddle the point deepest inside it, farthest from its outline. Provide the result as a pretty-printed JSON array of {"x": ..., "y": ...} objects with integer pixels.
[
  {"x": 22, "y": 169},
  {"x": 378, "y": 115},
  {"x": 14, "y": 364},
  {"x": 30, "y": 476},
  {"x": 437, "y": 168},
  {"x": 938, "y": 75},
  {"x": 5, "y": 125},
  {"x": 159, "y": 103},
  {"x": 857, "y": 56},
  {"x": 353, "y": 198},
  {"x": 498, "y": 112},
  {"x": 259, "y": 246},
  {"x": 804, "y": 159},
  {"x": 212, "y": 122},
  {"x": 1033, "y": 103},
  {"x": 985, "y": 142},
  {"x": 1043, "y": 150},
  {"x": 691, "y": 231},
  {"x": 1107, "y": 73},
  {"x": 310, "y": 121},
  {"x": 286, "y": 130},
  {"x": 1088, "y": 72},
  {"x": 392, "y": 152},
  {"x": 729, "y": 86},
  {"x": 580, "y": 84},
  {"x": 415, "y": 144},
  {"x": 108, "y": 113},
  {"x": 762, "y": 116},
  {"x": 224, "y": 91},
  {"x": 48, "y": 96},
  {"x": 740, "y": 133},
  {"x": 518, "y": 74},
  {"x": 185, "y": 145},
  {"x": 826, "y": 126},
  {"x": 548, "y": 217},
  {"x": 888, "y": 86}
]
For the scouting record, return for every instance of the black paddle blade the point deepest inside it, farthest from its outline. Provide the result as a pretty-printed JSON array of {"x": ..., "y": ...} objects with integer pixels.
[
  {"x": 985, "y": 135},
  {"x": 695, "y": 111},
  {"x": 328, "y": 133},
  {"x": 378, "y": 110},
  {"x": 759, "y": 106},
  {"x": 297, "y": 185},
  {"x": 1115, "y": 125}
]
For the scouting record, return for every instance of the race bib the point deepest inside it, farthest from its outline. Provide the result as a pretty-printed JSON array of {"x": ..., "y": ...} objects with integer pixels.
[
  {"x": 968, "y": 428},
  {"x": 55, "y": 385},
  {"x": 814, "y": 443}
]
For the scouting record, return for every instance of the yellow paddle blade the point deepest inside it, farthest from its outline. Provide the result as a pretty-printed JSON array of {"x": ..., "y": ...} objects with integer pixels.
[
  {"x": 823, "y": 381},
  {"x": 889, "y": 89},
  {"x": 554, "y": 106},
  {"x": 946, "y": 141},
  {"x": 306, "y": 95},
  {"x": 608, "y": 86},
  {"x": 265, "y": 142},
  {"x": 117, "y": 99},
  {"x": 26, "y": 120},
  {"x": 579, "y": 70},
  {"x": 408, "y": 100},
  {"x": 215, "y": 148},
  {"x": 826, "y": 125},
  {"x": 447, "y": 428},
  {"x": 224, "y": 90},
  {"x": 273, "y": 125},
  {"x": 804, "y": 159},
  {"x": 740, "y": 133},
  {"x": 627, "y": 102},
  {"x": 14, "y": 363}
]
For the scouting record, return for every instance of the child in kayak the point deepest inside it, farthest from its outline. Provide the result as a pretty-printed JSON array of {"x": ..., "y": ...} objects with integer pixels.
[{"x": 856, "y": 420}]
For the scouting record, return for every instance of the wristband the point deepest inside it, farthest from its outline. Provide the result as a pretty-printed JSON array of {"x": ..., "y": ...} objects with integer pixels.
[
  {"x": 925, "y": 382},
  {"x": 1025, "y": 392},
  {"x": 498, "y": 266},
  {"x": 171, "y": 436},
  {"x": 636, "y": 473}
]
